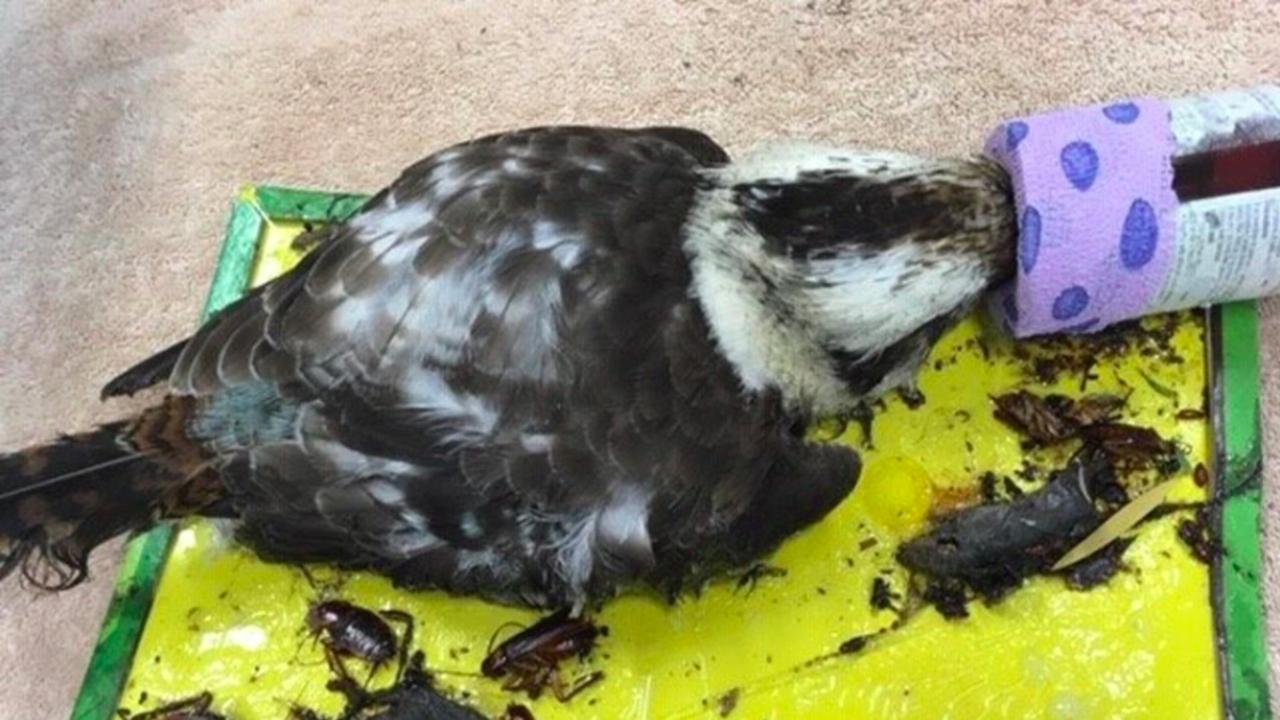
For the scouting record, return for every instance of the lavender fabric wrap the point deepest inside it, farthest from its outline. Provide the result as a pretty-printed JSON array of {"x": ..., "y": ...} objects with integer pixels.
[{"x": 1096, "y": 215}]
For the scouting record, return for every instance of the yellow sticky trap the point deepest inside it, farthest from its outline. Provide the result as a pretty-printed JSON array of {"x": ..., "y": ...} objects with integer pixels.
[
  {"x": 1140, "y": 646},
  {"x": 895, "y": 493}
]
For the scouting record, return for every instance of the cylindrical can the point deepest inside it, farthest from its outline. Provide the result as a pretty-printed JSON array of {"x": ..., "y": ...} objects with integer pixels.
[{"x": 1226, "y": 164}]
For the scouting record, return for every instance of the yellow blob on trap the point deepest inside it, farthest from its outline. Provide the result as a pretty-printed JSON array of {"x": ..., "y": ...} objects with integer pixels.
[{"x": 1140, "y": 646}]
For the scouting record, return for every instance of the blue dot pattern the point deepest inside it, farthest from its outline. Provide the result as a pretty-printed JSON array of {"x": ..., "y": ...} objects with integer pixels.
[
  {"x": 1029, "y": 244},
  {"x": 1095, "y": 214},
  {"x": 1139, "y": 235},
  {"x": 1070, "y": 303},
  {"x": 1014, "y": 132},
  {"x": 1123, "y": 113},
  {"x": 1080, "y": 164}
]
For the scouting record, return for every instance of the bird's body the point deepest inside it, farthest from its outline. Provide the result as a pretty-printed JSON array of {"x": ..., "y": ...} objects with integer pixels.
[{"x": 543, "y": 366}]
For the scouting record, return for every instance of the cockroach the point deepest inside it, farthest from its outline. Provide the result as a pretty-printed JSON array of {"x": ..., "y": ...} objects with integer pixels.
[
  {"x": 1128, "y": 442},
  {"x": 1032, "y": 416},
  {"x": 1054, "y": 418},
  {"x": 348, "y": 630},
  {"x": 1094, "y": 409},
  {"x": 1190, "y": 414},
  {"x": 530, "y": 659},
  {"x": 352, "y": 631},
  {"x": 192, "y": 708}
]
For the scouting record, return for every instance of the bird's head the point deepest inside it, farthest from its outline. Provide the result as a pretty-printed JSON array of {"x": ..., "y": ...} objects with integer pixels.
[{"x": 827, "y": 274}]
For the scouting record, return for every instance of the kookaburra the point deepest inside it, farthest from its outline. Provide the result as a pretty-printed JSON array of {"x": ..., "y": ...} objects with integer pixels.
[{"x": 541, "y": 367}]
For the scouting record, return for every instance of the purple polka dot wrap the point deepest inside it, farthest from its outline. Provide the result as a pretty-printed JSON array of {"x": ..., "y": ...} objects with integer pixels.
[{"x": 1096, "y": 215}]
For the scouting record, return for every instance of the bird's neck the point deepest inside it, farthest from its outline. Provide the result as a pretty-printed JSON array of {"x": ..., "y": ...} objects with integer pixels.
[{"x": 826, "y": 274}]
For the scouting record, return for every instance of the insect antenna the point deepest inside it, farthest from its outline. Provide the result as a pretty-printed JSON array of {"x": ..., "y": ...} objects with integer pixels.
[{"x": 509, "y": 624}]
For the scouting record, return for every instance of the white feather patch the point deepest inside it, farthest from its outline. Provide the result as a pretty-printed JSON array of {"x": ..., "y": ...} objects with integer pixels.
[
  {"x": 624, "y": 524},
  {"x": 853, "y": 301},
  {"x": 785, "y": 161},
  {"x": 862, "y": 304},
  {"x": 766, "y": 351}
]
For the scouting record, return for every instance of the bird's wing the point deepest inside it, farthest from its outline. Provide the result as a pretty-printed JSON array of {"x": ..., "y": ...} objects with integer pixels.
[
  {"x": 444, "y": 317},
  {"x": 463, "y": 253}
]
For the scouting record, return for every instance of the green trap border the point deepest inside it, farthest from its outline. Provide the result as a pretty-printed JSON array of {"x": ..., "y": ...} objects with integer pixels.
[
  {"x": 1239, "y": 616},
  {"x": 1236, "y": 580}
]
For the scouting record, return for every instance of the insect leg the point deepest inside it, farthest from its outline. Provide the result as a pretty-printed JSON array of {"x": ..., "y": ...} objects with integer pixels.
[
  {"x": 343, "y": 682},
  {"x": 195, "y": 704},
  {"x": 405, "y": 642},
  {"x": 581, "y": 684}
]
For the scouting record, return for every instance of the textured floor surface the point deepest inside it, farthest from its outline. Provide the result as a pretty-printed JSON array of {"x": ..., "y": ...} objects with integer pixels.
[{"x": 125, "y": 130}]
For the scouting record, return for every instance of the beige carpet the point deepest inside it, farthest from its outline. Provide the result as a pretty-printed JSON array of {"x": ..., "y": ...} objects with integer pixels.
[{"x": 124, "y": 131}]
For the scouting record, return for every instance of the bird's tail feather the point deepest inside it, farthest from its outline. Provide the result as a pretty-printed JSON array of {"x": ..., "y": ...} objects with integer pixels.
[{"x": 60, "y": 500}]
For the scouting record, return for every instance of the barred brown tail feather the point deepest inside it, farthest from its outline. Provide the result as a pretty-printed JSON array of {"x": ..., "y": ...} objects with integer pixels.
[{"x": 59, "y": 501}]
